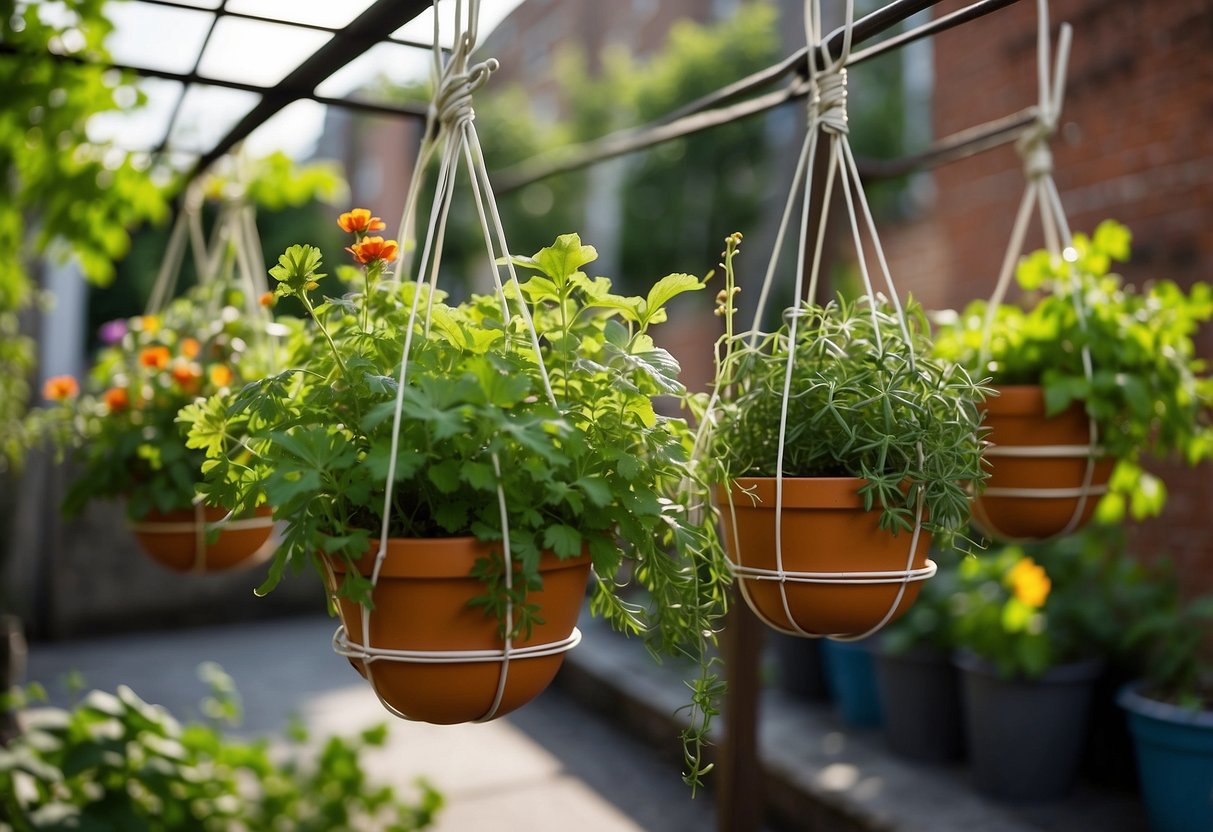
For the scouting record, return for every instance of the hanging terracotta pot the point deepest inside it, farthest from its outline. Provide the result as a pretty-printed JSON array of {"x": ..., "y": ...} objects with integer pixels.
[
  {"x": 1037, "y": 468},
  {"x": 827, "y": 532},
  {"x": 177, "y": 540},
  {"x": 421, "y": 605}
]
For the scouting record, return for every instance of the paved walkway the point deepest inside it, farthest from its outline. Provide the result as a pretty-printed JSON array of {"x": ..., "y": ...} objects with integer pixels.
[{"x": 548, "y": 767}]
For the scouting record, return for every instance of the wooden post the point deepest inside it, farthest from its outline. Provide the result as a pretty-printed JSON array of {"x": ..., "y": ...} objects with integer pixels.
[{"x": 739, "y": 798}]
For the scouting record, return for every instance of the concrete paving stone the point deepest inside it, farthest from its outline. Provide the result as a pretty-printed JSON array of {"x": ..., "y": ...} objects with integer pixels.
[{"x": 549, "y": 766}]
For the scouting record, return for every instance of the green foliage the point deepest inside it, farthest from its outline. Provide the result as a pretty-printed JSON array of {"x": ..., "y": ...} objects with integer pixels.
[
  {"x": 115, "y": 764},
  {"x": 62, "y": 193},
  {"x": 1031, "y": 608},
  {"x": 1167, "y": 643},
  {"x": 864, "y": 402},
  {"x": 123, "y": 430},
  {"x": 1147, "y": 393},
  {"x": 585, "y": 473}
]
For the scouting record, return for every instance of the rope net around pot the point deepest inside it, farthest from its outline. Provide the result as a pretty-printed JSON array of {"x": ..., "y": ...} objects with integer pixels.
[
  {"x": 231, "y": 258},
  {"x": 451, "y": 137},
  {"x": 827, "y": 118},
  {"x": 1001, "y": 503}
]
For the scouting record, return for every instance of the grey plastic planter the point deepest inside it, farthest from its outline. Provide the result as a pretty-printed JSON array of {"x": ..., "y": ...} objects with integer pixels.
[
  {"x": 920, "y": 697},
  {"x": 1025, "y": 736}
]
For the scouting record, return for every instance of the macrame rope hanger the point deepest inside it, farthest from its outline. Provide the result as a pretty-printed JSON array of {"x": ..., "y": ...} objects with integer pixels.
[
  {"x": 229, "y": 258},
  {"x": 451, "y": 135},
  {"x": 827, "y": 116},
  {"x": 1041, "y": 193}
]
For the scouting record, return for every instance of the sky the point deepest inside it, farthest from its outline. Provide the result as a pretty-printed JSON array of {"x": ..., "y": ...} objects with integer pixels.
[{"x": 254, "y": 53}]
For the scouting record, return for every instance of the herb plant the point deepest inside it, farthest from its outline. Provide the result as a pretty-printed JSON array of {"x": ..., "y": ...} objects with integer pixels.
[
  {"x": 114, "y": 762},
  {"x": 583, "y": 473},
  {"x": 860, "y": 405},
  {"x": 1146, "y": 394},
  {"x": 122, "y": 430}
]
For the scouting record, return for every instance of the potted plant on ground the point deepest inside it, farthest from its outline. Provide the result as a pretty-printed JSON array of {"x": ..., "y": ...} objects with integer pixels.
[
  {"x": 1143, "y": 391},
  {"x": 1170, "y": 712},
  {"x": 559, "y": 452},
  {"x": 122, "y": 431},
  {"x": 917, "y": 681},
  {"x": 880, "y": 439},
  {"x": 1030, "y": 648}
]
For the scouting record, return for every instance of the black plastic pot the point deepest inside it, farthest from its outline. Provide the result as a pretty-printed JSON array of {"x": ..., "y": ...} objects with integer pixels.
[
  {"x": 920, "y": 697},
  {"x": 800, "y": 671},
  {"x": 1025, "y": 736}
]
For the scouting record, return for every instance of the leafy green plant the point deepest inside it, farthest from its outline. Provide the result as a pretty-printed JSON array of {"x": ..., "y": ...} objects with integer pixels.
[
  {"x": 114, "y": 762},
  {"x": 1146, "y": 394},
  {"x": 864, "y": 402},
  {"x": 122, "y": 431},
  {"x": 1030, "y": 608},
  {"x": 584, "y": 468},
  {"x": 1167, "y": 642}
]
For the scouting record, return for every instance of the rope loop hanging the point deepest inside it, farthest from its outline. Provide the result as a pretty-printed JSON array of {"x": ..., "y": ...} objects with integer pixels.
[
  {"x": 1041, "y": 194},
  {"x": 828, "y": 125},
  {"x": 451, "y": 137}
]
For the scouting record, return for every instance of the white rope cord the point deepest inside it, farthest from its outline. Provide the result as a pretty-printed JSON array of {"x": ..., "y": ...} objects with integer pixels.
[
  {"x": 1041, "y": 193},
  {"x": 828, "y": 116},
  {"x": 187, "y": 227},
  {"x": 450, "y": 130}
]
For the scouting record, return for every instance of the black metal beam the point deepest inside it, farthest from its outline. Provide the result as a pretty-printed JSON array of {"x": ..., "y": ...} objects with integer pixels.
[{"x": 368, "y": 29}]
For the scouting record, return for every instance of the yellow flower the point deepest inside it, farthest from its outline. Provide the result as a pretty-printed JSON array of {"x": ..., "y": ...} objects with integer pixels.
[
  {"x": 220, "y": 375},
  {"x": 149, "y": 324},
  {"x": 1030, "y": 583}
]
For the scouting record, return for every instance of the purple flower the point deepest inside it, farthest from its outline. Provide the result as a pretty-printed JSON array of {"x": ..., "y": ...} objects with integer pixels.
[{"x": 111, "y": 332}]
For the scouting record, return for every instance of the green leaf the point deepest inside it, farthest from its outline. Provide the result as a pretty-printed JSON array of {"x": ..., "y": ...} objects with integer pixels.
[
  {"x": 564, "y": 540},
  {"x": 445, "y": 475},
  {"x": 564, "y": 258},
  {"x": 668, "y": 288}
]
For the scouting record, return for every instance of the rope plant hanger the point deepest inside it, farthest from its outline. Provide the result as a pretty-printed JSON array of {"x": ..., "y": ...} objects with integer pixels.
[
  {"x": 1000, "y": 502},
  {"x": 231, "y": 259},
  {"x": 803, "y": 583},
  {"x": 451, "y": 136}
]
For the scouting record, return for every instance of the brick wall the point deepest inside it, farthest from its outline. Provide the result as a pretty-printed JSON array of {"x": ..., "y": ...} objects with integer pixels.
[{"x": 1135, "y": 144}]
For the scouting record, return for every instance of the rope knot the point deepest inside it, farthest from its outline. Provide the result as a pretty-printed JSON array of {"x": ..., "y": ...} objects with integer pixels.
[
  {"x": 452, "y": 103},
  {"x": 1033, "y": 147},
  {"x": 828, "y": 104}
]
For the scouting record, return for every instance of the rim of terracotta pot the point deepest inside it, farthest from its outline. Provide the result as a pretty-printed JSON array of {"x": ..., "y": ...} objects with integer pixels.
[
  {"x": 798, "y": 492},
  {"x": 441, "y": 557},
  {"x": 1017, "y": 400},
  {"x": 210, "y": 514}
]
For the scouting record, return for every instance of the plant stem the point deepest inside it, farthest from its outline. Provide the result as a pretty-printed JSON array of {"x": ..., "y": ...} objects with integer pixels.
[{"x": 307, "y": 304}]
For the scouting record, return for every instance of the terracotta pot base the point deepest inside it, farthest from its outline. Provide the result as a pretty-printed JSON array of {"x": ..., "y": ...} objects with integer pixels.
[
  {"x": 421, "y": 606},
  {"x": 1019, "y": 459},
  {"x": 825, "y": 530},
  {"x": 172, "y": 540}
]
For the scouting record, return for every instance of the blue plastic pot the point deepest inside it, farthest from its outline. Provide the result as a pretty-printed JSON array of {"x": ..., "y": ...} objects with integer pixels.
[
  {"x": 851, "y": 675},
  {"x": 1174, "y": 761}
]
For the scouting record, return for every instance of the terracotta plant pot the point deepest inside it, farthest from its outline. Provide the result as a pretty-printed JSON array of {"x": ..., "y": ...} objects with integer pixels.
[
  {"x": 825, "y": 530},
  {"x": 421, "y": 604},
  {"x": 1037, "y": 466},
  {"x": 172, "y": 539}
]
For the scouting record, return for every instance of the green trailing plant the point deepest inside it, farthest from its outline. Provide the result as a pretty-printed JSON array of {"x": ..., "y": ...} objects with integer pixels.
[
  {"x": 859, "y": 406},
  {"x": 121, "y": 429},
  {"x": 1147, "y": 394},
  {"x": 114, "y": 762},
  {"x": 584, "y": 469}
]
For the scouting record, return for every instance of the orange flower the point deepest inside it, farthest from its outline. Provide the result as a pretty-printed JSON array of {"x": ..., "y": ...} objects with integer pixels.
[
  {"x": 117, "y": 399},
  {"x": 190, "y": 348},
  {"x": 1030, "y": 583},
  {"x": 267, "y": 299},
  {"x": 58, "y": 388},
  {"x": 155, "y": 357},
  {"x": 360, "y": 221},
  {"x": 372, "y": 249},
  {"x": 220, "y": 375},
  {"x": 187, "y": 375}
]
